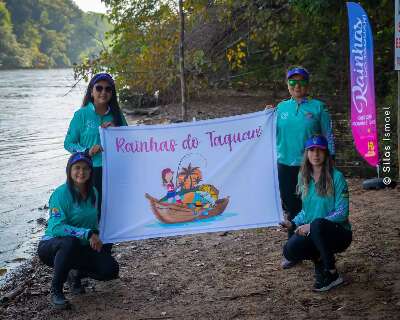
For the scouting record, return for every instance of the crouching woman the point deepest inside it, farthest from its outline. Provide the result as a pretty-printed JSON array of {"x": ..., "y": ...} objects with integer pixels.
[
  {"x": 322, "y": 227},
  {"x": 71, "y": 244}
]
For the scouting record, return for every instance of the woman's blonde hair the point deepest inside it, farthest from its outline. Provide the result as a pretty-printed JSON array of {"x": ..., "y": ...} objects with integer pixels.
[{"x": 324, "y": 186}]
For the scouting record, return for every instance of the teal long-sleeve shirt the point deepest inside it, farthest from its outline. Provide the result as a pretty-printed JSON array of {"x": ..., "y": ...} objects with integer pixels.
[
  {"x": 334, "y": 207},
  {"x": 70, "y": 218},
  {"x": 297, "y": 122},
  {"x": 83, "y": 132}
]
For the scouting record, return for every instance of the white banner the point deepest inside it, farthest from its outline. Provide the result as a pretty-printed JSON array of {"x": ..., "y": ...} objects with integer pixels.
[{"x": 185, "y": 178}]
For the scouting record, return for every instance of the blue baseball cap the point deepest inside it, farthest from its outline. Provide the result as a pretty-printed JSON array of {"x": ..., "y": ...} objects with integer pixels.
[
  {"x": 298, "y": 70},
  {"x": 79, "y": 156},
  {"x": 102, "y": 76},
  {"x": 316, "y": 142}
]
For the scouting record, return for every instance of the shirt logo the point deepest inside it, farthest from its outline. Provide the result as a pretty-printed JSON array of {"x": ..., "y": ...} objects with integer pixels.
[
  {"x": 55, "y": 213},
  {"x": 309, "y": 115},
  {"x": 91, "y": 124},
  {"x": 284, "y": 115}
]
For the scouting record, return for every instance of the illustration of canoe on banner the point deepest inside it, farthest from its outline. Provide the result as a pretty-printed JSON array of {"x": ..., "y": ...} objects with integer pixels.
[
  {"x": 186, "y": 199},
  {"x": 175, "y": 213}
]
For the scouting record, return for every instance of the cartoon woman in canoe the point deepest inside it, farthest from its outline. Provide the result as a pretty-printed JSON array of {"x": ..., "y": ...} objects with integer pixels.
[{"x": 166, "y": 176}]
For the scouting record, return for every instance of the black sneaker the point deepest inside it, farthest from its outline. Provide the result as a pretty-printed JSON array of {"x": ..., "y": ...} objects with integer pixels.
[
  {"x": 74, "y": 282},
  {"x": 328, "y": 281},
  {"x": 59, "y": 302}
]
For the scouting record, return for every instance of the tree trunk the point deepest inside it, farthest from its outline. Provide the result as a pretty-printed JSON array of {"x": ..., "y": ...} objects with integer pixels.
[{"x": 182, "y": 62}]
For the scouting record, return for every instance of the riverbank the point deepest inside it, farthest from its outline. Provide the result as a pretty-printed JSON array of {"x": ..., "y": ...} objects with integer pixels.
[
  {"x": 232, "y": 275},
  {"x": 235, "y": 275}
]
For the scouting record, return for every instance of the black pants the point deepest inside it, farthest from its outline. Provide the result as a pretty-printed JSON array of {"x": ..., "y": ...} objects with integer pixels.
[
  {"x": 325, "y": 239},
  {"x": 291, "y": 202},
  {"x": 98, "y": 183},
  {"x": 66, "y": 253}
]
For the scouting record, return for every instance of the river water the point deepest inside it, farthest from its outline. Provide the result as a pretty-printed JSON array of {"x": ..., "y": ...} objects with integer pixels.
[{"x": 34, "y": 118}]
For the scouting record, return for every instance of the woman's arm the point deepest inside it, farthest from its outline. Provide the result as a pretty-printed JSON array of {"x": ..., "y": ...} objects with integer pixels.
[
  {"x": 299, "y": 218},
  {"x": 341, "y": 210},
  {"x": 58, "y": 222},
  {"x": 71, "y": 142}
]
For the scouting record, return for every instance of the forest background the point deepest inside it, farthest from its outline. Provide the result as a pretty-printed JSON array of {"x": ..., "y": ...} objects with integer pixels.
[
  {"x": 242, "y": 45},
  {"x": 48, "y": 34}
]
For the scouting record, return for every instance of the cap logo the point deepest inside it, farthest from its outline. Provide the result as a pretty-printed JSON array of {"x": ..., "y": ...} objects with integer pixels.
[{"x": 80, "y": 156}]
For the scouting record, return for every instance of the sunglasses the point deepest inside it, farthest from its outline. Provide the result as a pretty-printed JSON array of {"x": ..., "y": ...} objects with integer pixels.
[
  {"x": 100, "y": 88},
  {"x": 301, "y": 83}
]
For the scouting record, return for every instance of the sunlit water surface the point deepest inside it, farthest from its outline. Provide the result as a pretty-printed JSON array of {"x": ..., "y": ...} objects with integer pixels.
[{"x": 34, "y": 117}]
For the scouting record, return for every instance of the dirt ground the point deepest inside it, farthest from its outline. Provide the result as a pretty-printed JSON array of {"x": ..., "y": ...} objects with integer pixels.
[{"x": 233, "y": 275}]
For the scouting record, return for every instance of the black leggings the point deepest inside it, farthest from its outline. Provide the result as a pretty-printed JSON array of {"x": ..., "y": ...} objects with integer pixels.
[
  {"x": 98, "y": 183},
  {"x": 291, "y": 202},
  {"x": 66, "y": 253},
  {"x": 325, "y": 239}
]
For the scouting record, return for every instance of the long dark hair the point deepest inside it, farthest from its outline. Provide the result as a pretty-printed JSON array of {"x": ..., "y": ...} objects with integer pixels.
[
  {"x": 76, "y": 195},
  {"x": 114, "y": 105},
  {"x": 324, "y": 186}
]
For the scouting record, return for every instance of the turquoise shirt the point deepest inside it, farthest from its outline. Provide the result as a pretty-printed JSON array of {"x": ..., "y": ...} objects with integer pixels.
[
  {"x": 297, "y": 122},
  {"x": 69, "y": 218},
  {"x": 83, "y": 132},
  {"x": 334, "y": 207}
]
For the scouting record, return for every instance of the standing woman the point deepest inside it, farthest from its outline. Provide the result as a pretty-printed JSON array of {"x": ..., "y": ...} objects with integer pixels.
[
  {"x": 322, "y": 227},
  {"x": 298, "y": 118},
  {"x": 71, "y": 238},
  {"x": 100, "y": 108}
]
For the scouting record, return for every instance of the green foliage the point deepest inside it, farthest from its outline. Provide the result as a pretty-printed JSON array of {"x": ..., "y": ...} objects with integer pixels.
[
  {"x": 143, "y": 44},
  {"x": 47, "y": 33},
  {"x": 315, "y": 7},
  {"x": 11, "y": 54},
  {"x": 240, "y": 43}
]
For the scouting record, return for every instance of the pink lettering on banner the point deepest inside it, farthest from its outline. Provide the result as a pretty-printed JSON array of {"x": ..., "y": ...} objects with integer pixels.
[
  {"x": 230, "y": 139},
  {"x": 119, "y": 142},
  {"x": 190, "y": 143},
  {"x": 150, "y": 145},
  {"x": 363, "y": 109}
]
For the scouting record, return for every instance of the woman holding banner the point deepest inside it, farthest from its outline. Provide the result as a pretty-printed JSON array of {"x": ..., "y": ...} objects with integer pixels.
[
  {"x": 71, "y": 244},
  {"x": 322, "y": 227},
  {"x": 100, "y": 108},
  {"x": 298, "y": 118}
]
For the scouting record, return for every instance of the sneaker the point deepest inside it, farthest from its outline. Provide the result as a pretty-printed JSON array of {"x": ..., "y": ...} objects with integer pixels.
[
  {"x": 59, "y": 302},
  {"x": 287, "y": 264},
  {"x": 328, "y": 281},
  {"x": 74, "y": 282}
]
